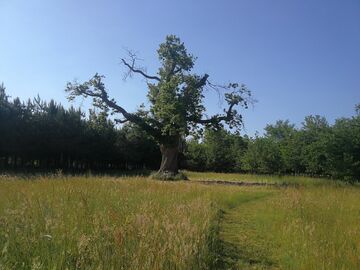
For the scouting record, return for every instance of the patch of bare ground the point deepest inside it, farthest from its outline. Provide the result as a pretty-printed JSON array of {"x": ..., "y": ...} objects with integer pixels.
[{"x": 237, "y": 183}]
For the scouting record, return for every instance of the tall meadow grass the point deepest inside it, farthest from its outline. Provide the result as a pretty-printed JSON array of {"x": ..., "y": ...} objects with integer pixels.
[
  {"x": 81, "y": 223},
  {"x": 135, "y": 223}
]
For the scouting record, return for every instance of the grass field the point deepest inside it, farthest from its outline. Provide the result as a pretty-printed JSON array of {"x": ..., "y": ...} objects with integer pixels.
[{"x": 134, "y": 223}]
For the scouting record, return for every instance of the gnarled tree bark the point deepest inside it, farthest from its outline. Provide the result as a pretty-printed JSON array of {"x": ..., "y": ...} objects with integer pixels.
[{"x": 169, "y": 159}]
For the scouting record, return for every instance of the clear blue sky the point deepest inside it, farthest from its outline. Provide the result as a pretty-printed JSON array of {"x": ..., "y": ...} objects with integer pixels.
[{"x": 298, "y": 57}]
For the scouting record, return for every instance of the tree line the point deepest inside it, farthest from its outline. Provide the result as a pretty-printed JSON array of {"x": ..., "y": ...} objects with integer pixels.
[
  {"x": 317, "y": 149},
  {"x": 46, "y": 136}
]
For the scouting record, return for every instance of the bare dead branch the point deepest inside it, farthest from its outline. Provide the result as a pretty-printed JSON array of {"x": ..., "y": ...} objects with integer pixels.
[
  {"x": 133, "y": 69},
  {"x": 218, "y": 89}
]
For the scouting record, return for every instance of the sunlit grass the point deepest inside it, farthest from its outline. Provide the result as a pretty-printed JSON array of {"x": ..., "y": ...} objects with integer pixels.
[
  {"x": 304, "y": 228},
  {"x": 135, "y": 223},
  {"x": 83, "y": 223}
]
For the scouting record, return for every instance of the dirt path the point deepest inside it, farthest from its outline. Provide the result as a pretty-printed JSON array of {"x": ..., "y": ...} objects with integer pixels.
[{"x": 237, "y": 183}]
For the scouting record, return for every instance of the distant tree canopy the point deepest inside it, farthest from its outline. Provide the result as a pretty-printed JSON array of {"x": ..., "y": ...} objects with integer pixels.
[{"x": 176, "y": 97}]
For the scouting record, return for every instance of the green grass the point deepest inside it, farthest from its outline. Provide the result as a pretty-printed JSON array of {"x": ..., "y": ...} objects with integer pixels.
[
  {"x": 80, "y": 223},
  {"x": 136, "y": 223},
  {"x": 302, "y": 228}
]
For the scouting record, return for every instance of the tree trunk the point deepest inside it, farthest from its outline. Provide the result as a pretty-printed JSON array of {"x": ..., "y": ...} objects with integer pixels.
[{"x": 169, "y": 159}]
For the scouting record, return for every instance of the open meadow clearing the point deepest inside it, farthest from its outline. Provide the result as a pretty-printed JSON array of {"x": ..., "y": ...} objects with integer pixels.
[
  {"x": 135, "y": 223},
  {"x": 180, "y": 135}
]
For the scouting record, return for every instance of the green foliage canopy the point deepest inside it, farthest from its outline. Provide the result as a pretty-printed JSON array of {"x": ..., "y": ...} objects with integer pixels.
[{"x": 175, "y": 94}]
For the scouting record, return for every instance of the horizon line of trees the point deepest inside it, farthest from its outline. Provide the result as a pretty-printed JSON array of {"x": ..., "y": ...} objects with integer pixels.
[
  {"x": 316, "y": 149},
  {"x": 46, "y": 136}
]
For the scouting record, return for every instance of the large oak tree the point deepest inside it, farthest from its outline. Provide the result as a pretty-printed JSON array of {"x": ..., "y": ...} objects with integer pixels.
[{"x": 176, "y": 96}]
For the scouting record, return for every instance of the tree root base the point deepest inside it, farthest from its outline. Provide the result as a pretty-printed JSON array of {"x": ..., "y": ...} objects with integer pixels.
[{"x": 168, "y": 176}]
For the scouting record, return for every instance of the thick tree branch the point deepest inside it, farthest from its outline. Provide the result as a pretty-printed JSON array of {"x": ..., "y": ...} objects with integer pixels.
[
  {"x": 218, "y": 118},
  {"x": 133, "y": 69},
  {"x": 173, "y": 71},
  {"x": 202, "y": 81},
  {"x": 96, "y": 89},
  {"x": 239, "y": 95},
  {"x": 118, "y": 121},
  {"x": 132, "y": 117}
]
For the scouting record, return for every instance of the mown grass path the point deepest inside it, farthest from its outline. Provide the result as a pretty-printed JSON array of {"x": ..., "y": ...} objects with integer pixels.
[
  {"x": 242, "y": 246},
  {"x": 308, "y": 227}
]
